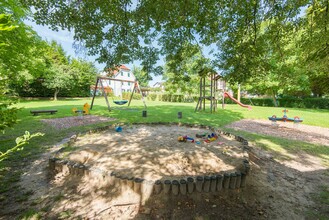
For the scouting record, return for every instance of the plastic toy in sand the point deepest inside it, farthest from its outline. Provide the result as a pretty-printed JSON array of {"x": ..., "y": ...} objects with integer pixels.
[
  {"x": 211, "y": 137},
  {"x": 185, "y": 139},
  {"x": 201, "y": 135},
  {"x": 181, "y": 139},
  {"x": 118, "y": 129},
  {"x": 285, "y": 118}
]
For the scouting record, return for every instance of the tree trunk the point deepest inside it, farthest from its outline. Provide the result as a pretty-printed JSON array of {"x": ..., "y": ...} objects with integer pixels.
[
  {"x": 274, "y": 99},
  {"x": 55, "y": 94}
]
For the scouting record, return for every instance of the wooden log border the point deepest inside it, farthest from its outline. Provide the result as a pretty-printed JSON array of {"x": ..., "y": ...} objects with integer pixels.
[{"x": 214, "y": 183}]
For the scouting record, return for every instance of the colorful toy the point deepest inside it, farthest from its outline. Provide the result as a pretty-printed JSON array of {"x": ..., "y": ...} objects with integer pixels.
[
  {"x": 181, "y": 139},
  {"x": 285, "y": 118},
  {"x": 84, "y": 111},
  {"x": 185, "y": 139},
  {"x": 189, "y": 139},
  {"x": 211, "y": 137},
  {"x": 201, "y": 135},
  {"x": 118, "y": 129}
]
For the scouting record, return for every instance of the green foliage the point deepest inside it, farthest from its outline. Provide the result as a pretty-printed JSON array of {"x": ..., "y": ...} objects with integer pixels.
[
  {"x": 171, "y": 25},
  {"x": 259, "y": 41},
  {"x": 176, "y": 98},
  {"x": 316, "y": 103},
  {"x": 254, "y": 101},
  {"x": 152, "y": 96},
  {"x": 289, "y": 102},
  {"x": 142, "y": 76},
  {"x": 126, "y": 96},
  {"x": 8, "y": 115},
  {"x": 54, "y": 74},
  {"x": 58, "y": 78},
  {"x": 20, "y": 141}
]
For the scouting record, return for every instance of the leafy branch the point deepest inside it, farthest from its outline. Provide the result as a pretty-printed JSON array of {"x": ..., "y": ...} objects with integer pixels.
[{"x": 20, "y": 141}]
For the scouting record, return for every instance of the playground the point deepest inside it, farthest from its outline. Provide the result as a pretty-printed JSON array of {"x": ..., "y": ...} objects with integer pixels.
[
  {"x": 193, "y": 110},
  {"x": 283, "y": 159}
]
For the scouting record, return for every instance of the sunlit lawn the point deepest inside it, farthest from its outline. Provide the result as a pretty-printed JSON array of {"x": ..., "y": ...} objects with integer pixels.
[
  {"x": 156, "y": 112},
  {"x": 167, "y": 112}
]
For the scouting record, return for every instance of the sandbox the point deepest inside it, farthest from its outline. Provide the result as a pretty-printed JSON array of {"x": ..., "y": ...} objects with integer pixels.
[{"x": 150, "y": 154}]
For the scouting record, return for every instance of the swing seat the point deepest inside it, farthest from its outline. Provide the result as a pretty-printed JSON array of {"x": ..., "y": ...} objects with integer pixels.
[{"x": 120, "y": 102}]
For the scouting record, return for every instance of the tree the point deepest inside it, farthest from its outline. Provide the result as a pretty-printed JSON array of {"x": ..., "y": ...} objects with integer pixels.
[
  {"x": 185, "y": 76},
  {"x": 115, "y": 37},
  {"x": 7, "y": 115},
  {"x": 14, "y": 47},
  {"x": 58, "y": 74},
  {"x": 83, "y": 74},
  {"x": 58, "y": 77},
  {"x": 142, "y": 76},
  {"x": 314, "y": 41}
]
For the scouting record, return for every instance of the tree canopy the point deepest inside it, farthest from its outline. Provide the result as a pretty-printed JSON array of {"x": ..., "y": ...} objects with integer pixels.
[{"x": 246, "y": 35}]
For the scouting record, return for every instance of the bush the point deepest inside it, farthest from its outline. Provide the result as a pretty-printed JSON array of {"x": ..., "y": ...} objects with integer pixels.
[
  {"x": 126, "y": 96},
  {"x": 258, "y": 101},
  {"x": 287, "y": 102},
  {"x": 316, "y": 103},
  {"x": 152, "y": 97}
]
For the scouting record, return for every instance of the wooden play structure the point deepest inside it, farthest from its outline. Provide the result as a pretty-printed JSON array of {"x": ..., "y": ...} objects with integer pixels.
[
  {"x": 208, "y": 91},
  {"x": 99, "y": 84},
  {"x": 212, "y": 87}
]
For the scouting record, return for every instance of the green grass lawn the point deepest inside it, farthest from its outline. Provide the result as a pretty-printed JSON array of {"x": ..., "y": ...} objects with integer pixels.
[
  {"x": 156, "y": 112},
  {"x": 167, "y": 111}
]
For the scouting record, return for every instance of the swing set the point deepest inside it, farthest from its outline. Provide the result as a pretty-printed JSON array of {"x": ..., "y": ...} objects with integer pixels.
[{"x": 117, "y": 102}]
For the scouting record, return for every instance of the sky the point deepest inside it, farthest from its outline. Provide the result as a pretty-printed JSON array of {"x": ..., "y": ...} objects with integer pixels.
[{"x": 65, "y": 38}]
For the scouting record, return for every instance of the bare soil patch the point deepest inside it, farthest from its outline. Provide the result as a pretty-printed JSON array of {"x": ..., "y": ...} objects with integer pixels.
[
  {"x": 287, "y": 130},
  {"x": 73, "y": 121},
  {"x": 153, "y": 152}
]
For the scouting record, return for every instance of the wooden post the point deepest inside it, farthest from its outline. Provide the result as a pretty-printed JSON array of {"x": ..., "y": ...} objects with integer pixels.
[
  {"x": 132, "y": 94},
  {"x": 223, "y": 99},
  {"x": 204, "y": 93},
  {"x": 105, "y": 96},
  {"x": 198, "y": 105},
  {"x": 141, "y": 94},
  {"x": 211, "y": 92},
  {"x": 239, "y": 92},
  {"x": 216, "y": 90},
  {"x": 95, "y": 89}
]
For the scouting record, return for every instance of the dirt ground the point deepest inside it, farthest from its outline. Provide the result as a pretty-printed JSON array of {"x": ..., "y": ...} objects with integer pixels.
[
  {"x": 68, "y": 122},
  {"x": 287, "y": 130},
  {"x": 156, "y": 152},
  {"x": 276, "y": 189}
]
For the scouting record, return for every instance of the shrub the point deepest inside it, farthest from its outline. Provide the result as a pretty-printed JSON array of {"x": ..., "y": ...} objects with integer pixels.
[
  {"x": 152, "y": 97},
  {"x": 136, "y": 96}
]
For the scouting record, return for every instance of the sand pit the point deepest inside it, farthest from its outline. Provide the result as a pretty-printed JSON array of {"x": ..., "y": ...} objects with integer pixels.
[{"x": 153, "y": 152}]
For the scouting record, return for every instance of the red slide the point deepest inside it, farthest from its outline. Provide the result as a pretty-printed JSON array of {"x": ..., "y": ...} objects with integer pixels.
[{"x": 226, "y": 95}]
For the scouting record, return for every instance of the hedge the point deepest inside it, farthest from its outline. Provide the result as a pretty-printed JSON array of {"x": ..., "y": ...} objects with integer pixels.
[
  {"x": 288, "y": 102},
  {"x": 126, "y": 96}
]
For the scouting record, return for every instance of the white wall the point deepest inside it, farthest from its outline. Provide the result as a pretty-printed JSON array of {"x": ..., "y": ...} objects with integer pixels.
[{"x": 118, "y": 86}]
